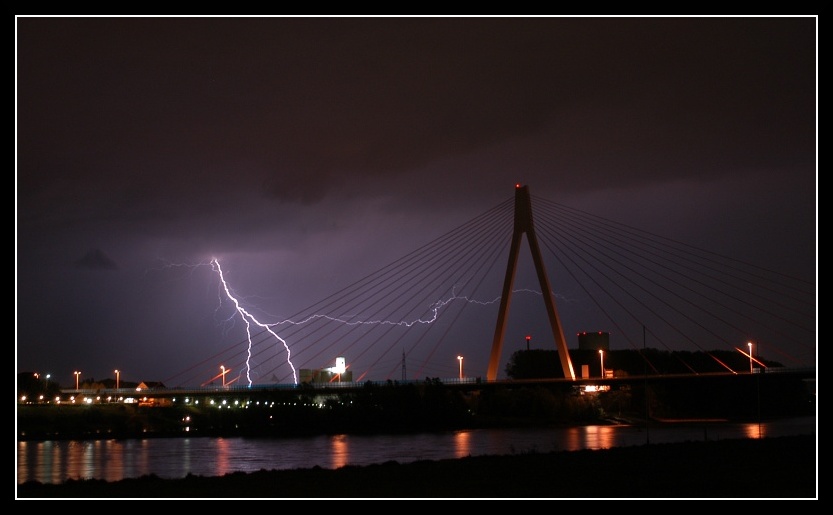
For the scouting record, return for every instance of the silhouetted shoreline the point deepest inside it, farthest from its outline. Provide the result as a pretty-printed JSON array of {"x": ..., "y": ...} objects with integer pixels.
[{"x": 781, "y": 467}]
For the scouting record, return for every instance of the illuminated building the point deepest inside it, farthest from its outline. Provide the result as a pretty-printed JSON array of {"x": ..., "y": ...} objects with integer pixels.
[{"x": 336, "y": 374}]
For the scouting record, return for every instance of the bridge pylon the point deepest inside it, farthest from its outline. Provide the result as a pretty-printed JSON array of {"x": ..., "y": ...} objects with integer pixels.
[{"x": 523, "y": 224}]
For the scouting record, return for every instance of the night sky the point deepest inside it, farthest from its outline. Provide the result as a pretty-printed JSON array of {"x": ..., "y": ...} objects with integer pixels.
[{"x": 306, "y": 153}]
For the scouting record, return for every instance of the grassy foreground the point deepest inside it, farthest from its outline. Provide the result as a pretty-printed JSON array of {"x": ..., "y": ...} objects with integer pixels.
[{"x": 782, "y": 468}]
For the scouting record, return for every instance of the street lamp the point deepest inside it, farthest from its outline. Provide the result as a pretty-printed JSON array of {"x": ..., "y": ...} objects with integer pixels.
[
  {"x": 527, "y": 342},
  {"x": 117, "y": 379},
  {"x": 750, "y": 356},
  {"x": 460, "y": 359},
  {"x": 224, "y": 370},
  {"x": 602, "y": 361},
  {"x": 76, "y": 378}
]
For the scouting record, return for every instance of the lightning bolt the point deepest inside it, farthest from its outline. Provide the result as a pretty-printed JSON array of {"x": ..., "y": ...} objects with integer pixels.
[
  {"x": 433, "y": 308},
  {"x": 249, "y": 319},
  {"x": 348, "y": 319}
]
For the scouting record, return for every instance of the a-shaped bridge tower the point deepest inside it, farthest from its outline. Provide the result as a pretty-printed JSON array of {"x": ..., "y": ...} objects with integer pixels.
[{"x": 523, "y": 224}]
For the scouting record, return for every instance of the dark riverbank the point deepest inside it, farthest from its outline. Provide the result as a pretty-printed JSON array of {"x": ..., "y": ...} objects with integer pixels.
[
  {"x": 425, "y": 407},
  {"x": 772, "y": 468}
]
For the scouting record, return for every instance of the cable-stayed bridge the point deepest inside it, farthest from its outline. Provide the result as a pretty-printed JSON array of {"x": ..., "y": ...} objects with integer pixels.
[{"x": 527, "y": 266}]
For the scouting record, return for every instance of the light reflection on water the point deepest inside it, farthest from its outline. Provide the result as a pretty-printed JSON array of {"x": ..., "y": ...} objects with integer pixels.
[
  {"x": 590, "y": 437},
  {"x": 462, "y": 444},
  {"x": 222, "y": 456},
  {"x": 113, "y": 460},
  {"x": 340, "y": 452}
]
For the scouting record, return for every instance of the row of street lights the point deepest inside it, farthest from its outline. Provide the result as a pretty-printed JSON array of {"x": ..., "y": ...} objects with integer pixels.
[
  {"x": 224, "y": 370},
  {"x": 78, "y": 375}
]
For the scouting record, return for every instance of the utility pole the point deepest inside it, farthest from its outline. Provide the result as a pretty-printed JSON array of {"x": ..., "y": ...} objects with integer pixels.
[{"x": 404, "y": 375}]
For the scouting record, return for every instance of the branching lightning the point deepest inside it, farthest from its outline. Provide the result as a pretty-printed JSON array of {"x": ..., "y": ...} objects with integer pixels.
[
  {"x": 433, "y": 308},
  {"x": 249, "y": 319}
]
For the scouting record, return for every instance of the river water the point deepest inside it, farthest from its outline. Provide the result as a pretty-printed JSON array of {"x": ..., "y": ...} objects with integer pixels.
[{"x": 172, "y": 458}]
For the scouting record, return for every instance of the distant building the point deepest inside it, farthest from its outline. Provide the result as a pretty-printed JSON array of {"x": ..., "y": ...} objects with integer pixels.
[
  {"x": 592, "y": 348},
  {"x": 599, "y": 340},
  {"x": 149, "y": 385},
  {"x": 150, "y": 401},
  {"x": 336, "y": 374}
]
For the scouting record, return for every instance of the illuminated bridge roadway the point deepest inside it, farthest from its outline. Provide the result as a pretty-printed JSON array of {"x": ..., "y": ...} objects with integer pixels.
[{"x": 243, "y": 393}]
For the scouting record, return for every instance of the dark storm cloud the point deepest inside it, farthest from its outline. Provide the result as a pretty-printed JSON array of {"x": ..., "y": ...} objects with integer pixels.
[
  {"x": 291, "y": 105},
  {"x": 95, "y": 259}
]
